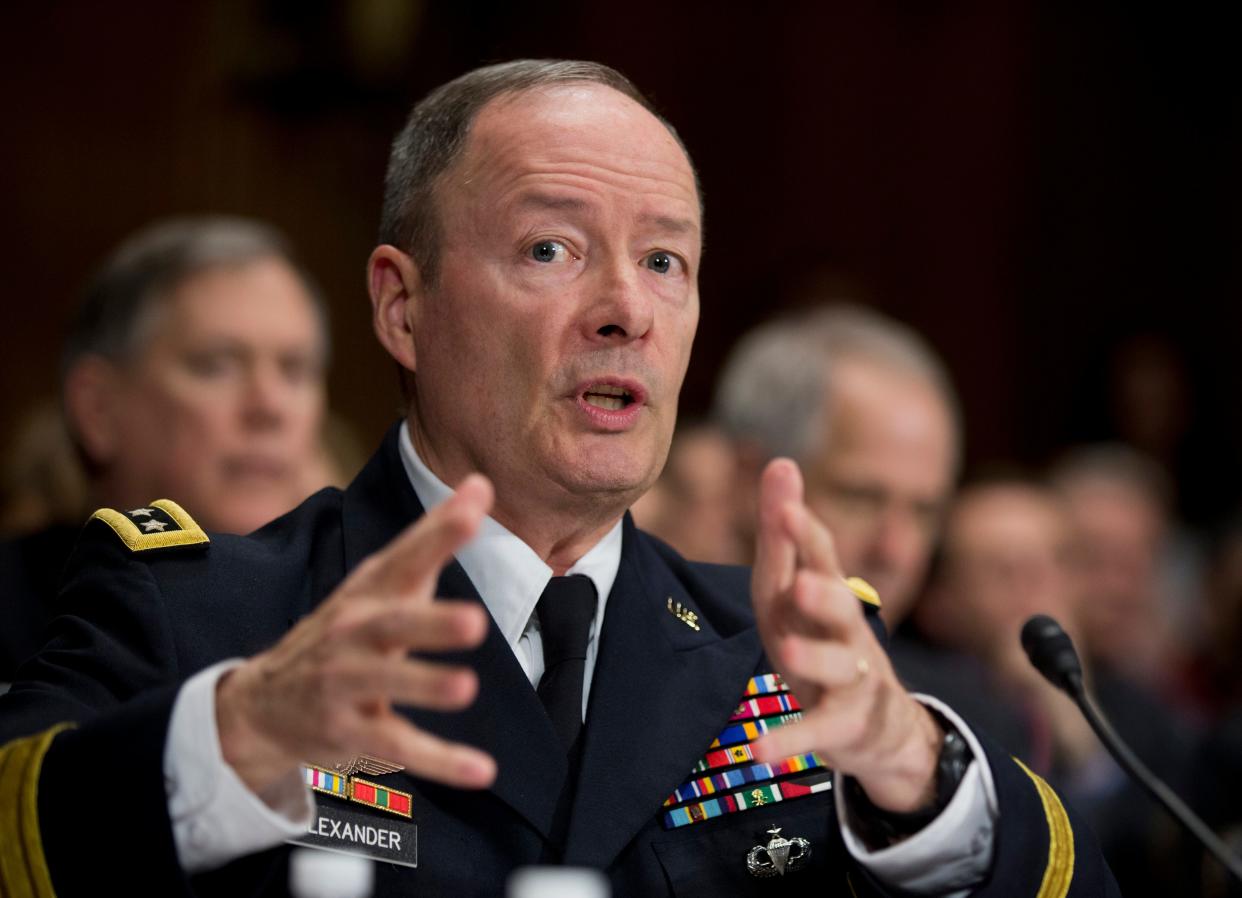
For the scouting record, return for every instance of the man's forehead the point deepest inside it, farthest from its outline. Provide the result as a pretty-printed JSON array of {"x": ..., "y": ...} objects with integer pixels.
[
  {"x": 584, "y": 128},
  {"x": 231, "y": 298},
  {"x": 1003, "y": 514}
]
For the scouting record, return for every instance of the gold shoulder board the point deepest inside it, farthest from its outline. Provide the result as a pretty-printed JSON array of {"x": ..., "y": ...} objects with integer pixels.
[{"x": 161, "y": 524}]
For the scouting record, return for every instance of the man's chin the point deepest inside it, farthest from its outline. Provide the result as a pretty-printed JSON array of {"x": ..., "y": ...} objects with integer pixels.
[{"x": 619, "y": 484}]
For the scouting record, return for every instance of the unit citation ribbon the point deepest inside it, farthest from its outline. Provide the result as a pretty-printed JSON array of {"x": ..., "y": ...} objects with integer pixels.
[{"x": 352, "y": 788}]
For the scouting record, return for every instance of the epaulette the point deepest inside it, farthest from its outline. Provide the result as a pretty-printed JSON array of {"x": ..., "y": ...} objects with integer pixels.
[
  {"x": 864, "y": 590},
  {"x": 160, "y": 525}
]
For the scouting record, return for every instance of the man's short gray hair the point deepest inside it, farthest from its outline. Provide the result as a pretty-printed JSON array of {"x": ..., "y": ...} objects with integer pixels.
[
  {"x": 154, "y": 262},
  {"x": 435, "y": 135},
  {"x": 773, "y": 390}
]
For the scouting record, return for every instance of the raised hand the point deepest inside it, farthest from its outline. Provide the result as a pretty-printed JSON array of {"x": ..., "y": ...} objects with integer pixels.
[
  {"x": 326, "y": 691},
  {"x": 856, "y": 714}
]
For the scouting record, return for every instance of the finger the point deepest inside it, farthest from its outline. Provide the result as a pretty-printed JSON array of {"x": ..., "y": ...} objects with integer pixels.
[
  {"x": 831, "y": 665},
  {"x": 414, "y": 559},
  {"x": 825, "y": 602},
  {"x": 812, "y": 539},
  {"x": 775, "y": 552},
  {"x": 439, "y": 627},
  {"x": 815, "y": 734},
  {"x": 431, "y": 757},
  {"x": 402, "y": 680}
]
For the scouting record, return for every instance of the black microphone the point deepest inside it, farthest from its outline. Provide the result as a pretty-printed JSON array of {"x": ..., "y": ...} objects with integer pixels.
[{"x": 1052, "y": 653}]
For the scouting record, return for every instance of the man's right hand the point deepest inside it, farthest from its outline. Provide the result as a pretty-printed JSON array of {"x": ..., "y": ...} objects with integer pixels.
[{"x": 326, "y": 691}]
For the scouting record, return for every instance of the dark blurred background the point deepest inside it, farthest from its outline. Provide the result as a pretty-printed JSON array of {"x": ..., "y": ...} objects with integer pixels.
[{"x": 1050, "y": 192}]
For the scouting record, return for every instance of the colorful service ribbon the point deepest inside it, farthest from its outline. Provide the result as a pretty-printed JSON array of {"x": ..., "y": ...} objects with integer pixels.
[
  {"x": 746, "y": 799},
  {"x": 732, "y": 779},
  {"x": 751, "y": 730}
]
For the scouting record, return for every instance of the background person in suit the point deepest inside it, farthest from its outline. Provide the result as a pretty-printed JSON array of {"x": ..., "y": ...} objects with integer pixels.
[{"x": 867, "y": 409}]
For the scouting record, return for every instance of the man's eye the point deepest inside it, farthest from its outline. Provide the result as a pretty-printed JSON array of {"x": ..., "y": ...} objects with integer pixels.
[
  {"x": 661, "y": 263},
  {"x": 207, "y": 364},
  {"x": 549, "y": 251}
]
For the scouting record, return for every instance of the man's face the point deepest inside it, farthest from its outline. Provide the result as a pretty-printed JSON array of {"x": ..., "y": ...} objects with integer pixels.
[
  {"x": 882, "y": 477},
  {"x": 1007, "y": 557},
  {"x": 1119, "y": 534},
  {"x": 221, "y": 410},
  {"x": 552, "y": 348}
]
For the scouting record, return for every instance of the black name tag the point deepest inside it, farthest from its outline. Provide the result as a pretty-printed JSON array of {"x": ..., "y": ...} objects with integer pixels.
[{"x": 337, "y": 828}]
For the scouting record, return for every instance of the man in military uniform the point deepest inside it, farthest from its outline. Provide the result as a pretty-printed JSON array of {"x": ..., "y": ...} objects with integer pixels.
[
  {"x": 194, "y": 366},
  {"x": 579, "y": 694}
]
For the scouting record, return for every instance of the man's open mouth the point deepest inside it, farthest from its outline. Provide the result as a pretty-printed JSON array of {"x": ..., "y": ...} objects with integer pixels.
[{"x": 610, "y": 398}]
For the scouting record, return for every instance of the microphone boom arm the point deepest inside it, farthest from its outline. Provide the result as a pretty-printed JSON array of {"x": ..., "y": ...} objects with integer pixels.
[{"x": 1052, "y": 653}]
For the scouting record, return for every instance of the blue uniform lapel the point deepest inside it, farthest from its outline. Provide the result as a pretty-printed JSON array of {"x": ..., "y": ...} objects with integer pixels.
[
  {"x": 507, "y": 719},
  {"x": 661, "y": 692}
]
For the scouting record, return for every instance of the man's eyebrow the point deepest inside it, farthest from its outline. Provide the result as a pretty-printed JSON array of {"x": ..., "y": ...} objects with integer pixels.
[
  {"x": 669, "y": 223},
  {"x": 548, "y": 201}
]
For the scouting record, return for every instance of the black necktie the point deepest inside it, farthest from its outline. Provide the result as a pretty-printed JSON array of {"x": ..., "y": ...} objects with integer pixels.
[{"x": 565, "y": 612}]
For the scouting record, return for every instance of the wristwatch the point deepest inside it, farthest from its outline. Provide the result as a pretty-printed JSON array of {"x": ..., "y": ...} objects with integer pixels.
[{"x": 879, "y": 828}]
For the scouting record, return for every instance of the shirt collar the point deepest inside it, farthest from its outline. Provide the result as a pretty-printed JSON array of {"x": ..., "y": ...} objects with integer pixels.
[{"x": 508, "y": 574}]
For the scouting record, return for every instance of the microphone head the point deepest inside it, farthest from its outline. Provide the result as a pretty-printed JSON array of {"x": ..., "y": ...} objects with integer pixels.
[{"x": 1052, "y": 652}]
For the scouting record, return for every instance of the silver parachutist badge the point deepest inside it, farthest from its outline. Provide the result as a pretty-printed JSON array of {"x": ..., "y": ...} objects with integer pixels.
[{"x": 779, "y": 855}]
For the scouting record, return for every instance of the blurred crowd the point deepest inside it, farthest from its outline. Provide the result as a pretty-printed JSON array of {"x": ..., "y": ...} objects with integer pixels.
[{"x": 195, "y": 368}]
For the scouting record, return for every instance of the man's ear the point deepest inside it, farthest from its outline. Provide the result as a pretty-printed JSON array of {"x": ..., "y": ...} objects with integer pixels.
[
  {"x": 92, "y": 402},
  {"x": 396, "y": 287}
]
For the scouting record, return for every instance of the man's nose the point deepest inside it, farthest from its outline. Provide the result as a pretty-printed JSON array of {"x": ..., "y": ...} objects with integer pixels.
[
  {"x": 900, "y": 541},
  {"x": 621, "y": 309},
  {"x": 266, "y": 397}
]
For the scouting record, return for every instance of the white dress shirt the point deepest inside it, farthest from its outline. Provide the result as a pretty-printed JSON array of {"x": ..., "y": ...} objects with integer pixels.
[
  {"x": 510, "y": 577},
  {"x": 216, "y": 819}
]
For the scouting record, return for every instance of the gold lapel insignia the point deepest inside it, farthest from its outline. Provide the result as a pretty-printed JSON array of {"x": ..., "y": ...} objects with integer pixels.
[
  {"x": 863, "y": 590},
  {"x": 683, "y": 614}
]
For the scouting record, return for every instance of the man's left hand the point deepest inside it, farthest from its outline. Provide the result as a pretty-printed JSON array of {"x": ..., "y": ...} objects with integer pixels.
[{"x": 856, "y": 714}]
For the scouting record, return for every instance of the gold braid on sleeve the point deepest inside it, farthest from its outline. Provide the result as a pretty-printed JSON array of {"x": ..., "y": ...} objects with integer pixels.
[{"x": 23, "y": 868}]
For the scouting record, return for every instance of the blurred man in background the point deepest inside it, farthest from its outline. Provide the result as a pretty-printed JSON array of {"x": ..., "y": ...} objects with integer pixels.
[
  {"x": 693, "y": 504},
  {"x": 193, "y": 370},
  {"x": 1143, "y": 611},
  {"x": 866, "y": 408},
  {"x": 1008, "y": 553}
]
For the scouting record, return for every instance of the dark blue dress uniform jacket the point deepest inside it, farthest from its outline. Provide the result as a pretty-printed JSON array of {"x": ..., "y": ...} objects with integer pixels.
[{"x": 138, "y": 624}]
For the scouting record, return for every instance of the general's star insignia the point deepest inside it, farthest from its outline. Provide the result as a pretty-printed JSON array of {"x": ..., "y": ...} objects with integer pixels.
[{"x": 161, "y": 525}]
